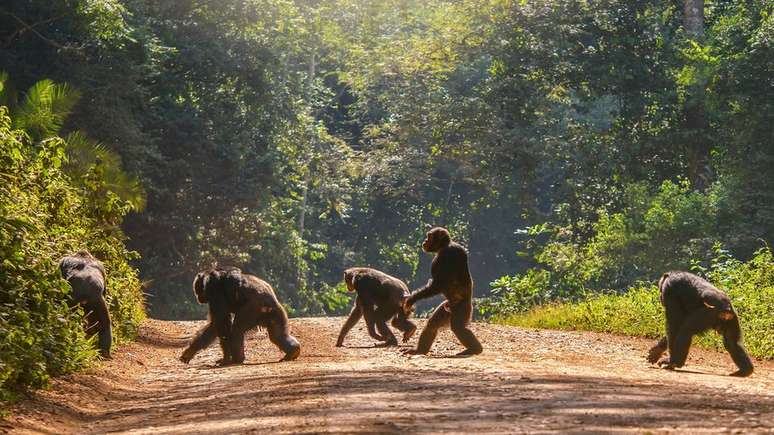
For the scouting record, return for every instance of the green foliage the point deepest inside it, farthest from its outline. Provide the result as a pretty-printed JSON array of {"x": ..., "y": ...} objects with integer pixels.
[
  {"x": 518, "y": 293},
  {"x": 43, "y": 216},
  {"x": 638, "y": 312},
  {"x": 327, "y": 300},
  {"x": 295, "y": 138},
  {"x": 625, "y": 247}
]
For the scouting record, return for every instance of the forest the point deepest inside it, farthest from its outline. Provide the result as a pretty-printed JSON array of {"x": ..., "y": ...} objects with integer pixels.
[{"x": 577, "y": 148}]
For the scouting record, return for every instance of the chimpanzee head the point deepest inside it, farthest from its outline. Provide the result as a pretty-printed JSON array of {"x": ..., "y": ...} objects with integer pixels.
[
  {"x": 212, "y": 280},
  {"x": 349, "y": 276},
  {"x": 200, "y": 284},
  {"x": 437, "y": 239}
]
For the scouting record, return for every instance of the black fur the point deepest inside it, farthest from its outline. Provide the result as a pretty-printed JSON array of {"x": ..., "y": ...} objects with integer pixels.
[
  {"x": 450, "y": 276},
  {"x": 86, "y": 276},
  {"x": 252, "y": 302},
  {"x": 692, "y": 305},
  {"x": 379, "y": 299}
]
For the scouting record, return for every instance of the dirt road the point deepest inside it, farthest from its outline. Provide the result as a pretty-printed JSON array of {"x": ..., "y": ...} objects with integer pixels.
[{"x": 526, "y": 381}]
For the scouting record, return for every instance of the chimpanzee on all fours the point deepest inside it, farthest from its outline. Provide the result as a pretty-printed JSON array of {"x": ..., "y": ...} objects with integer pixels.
[
  {"x": 379, "y": 298},
  {"x": 86, "y": 277},
  {"x": 252, "y": 301},
  {"x": 450, "y": 276},
  {"x": 692, "y": 305}
]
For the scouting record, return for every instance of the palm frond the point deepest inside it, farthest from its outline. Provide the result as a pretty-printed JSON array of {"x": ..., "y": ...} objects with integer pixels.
[
  {"x": 85, "y": 155},
  {"x": 44, "y": 109}
]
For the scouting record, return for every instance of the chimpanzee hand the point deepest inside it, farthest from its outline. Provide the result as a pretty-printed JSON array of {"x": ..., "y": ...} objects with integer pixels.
[
  {"x": 292, "y": 355},
  {"x": 655, "y": 353},
  {"x": 186, "y": 356},
  {"x": 408, "y": 334}
]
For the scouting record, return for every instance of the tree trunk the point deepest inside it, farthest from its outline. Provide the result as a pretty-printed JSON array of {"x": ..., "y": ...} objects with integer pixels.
[
  {"x": 305, "y": 188},
  {"x": 696, "y": 124}
]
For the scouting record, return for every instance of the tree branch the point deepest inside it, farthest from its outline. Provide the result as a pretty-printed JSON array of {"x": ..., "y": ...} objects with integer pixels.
[{"x": 31, "y": 27}]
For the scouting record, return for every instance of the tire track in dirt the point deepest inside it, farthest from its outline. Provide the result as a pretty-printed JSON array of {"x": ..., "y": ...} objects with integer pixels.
[{"x": 526, "y": 381}]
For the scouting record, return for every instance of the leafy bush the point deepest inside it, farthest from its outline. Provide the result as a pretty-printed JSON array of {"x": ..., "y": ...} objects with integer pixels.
[
  {"x": 638, "y": 312},
  {"x": 637, "y": 243},
  {"x": 43, "y": 216}
]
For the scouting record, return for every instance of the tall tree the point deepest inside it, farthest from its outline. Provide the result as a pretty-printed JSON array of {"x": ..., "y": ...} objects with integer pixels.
[{"x": 697, "y": 126}]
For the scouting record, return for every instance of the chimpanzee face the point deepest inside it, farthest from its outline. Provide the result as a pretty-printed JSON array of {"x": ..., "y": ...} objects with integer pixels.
[
  {"x": 349, "y": 275},
  {"x": 200, "y": 287},
  {"x": 436, "y": 239}
]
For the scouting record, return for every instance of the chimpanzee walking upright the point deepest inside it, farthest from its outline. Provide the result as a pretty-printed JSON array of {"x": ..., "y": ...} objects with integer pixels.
[
  {"x": 692, "y": 306},
  {"x": 450, "y": 276}
]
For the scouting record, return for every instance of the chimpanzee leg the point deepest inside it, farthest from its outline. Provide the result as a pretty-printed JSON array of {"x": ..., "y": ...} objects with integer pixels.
[
  {"x": 98, "y": 318},
  {"x": 279, "y": 334},
  {"x": 698, "y": 321},
  {"x": 461, "y": 315},
  {"x": 402, "y": 323},
  {"x": 354, "y": 317},
  {"x": 732, "y": 340},
  {"x": 657, "y": 350},
  {"x": 371, "y": 320},
  {"x": 439, "y": 319},
  {"x": 382, "y": 315}
]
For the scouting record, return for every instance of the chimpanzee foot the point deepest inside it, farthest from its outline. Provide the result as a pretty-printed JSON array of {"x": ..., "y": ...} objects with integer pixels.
[
  {"x": 410, "y": 333},
  {"x": 654, "y": 354},
  {"x": 292, "y": 355},
  {"x": 227, "y": 362},
  {"x": 470, "y": 352},
  {"x": 742, "y": 373},
  {"x": 413, "y": 352},
  {"x": 667, "y": 364},
  {"x": 389, "y": 343}
]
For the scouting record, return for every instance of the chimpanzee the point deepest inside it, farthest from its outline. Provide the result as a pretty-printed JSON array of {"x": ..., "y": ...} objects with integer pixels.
[
  {"x": 86, "y": 276},
  {"x": 379, "y": 298},
  {"x": 450, "y": 276},
  {"x": 252, "y": 302},
  {"x": 692, "y": 306}
]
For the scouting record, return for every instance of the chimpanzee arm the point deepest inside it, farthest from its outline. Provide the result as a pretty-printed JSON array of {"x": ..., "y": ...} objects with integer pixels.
[
  {"x": 221, "y": 319},
  {"x": 354, "y": 317},
  {"x": 101, "y": 315},
  {"x": 203, "y": 338},
  {"x": 432, "y": 288},
  {"x": 219, "y": 327},
  {"x": 732, "y": 340}
]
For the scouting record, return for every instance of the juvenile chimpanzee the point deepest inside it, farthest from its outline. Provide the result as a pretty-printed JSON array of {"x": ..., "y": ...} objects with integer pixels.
[
  {"x": 86, "y": 276},
  {"x": 379, "y": 298},
  {"x": 450, "y": 276},
  {"x": 692, "y": 306},
  {"x": 252, "y": 302}
]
